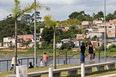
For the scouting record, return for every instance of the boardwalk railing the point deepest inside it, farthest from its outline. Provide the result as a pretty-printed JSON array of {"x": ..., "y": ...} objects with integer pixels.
[
  {"x": 5, "y": 65},
  {"x": 73, "y": 70}
]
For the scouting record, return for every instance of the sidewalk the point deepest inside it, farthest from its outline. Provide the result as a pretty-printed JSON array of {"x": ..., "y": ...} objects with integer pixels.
[{"x": 111, "y": 75}]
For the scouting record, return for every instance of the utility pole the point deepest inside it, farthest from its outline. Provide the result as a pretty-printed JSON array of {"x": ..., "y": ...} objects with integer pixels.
[
  {"x": 105, "y": 30},
  {"x": 35, "y": 54}
]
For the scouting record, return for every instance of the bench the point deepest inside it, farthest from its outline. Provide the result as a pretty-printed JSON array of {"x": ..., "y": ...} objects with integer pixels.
[{"x": 73, "y": 70}]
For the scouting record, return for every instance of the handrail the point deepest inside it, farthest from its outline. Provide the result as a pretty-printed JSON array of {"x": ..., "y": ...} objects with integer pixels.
[
  {"x": 72, "y": 56},
  {"x": 57, "y": 56}
]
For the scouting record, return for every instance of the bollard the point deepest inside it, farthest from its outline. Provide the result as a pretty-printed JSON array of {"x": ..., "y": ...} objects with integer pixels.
[
  {"x": 50, "y": 72},
  {"x": 82, "y": 70},
  {"x": 21, "y": 71}
]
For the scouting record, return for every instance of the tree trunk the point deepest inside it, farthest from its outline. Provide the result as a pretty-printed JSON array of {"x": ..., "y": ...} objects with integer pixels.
[
  {"x": 15, "y": 46},
  {"x": 54, "y": 49}
]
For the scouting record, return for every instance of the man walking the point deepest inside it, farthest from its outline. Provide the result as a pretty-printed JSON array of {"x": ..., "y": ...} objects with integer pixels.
[{"x": 82, "y": 58}]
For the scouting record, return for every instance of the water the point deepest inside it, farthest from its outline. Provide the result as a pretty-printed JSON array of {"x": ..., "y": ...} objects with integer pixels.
[{"x": 59, "y": 60}]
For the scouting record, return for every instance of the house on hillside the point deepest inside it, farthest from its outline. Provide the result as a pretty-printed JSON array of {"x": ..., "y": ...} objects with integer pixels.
[
  {"x": 64, "y": 28},
  {"x": 111, "y": 29},
  {"x": 97, "y": 22},
  {"x": 9, "y": 42},
  {"x": 86, "y": 24}
]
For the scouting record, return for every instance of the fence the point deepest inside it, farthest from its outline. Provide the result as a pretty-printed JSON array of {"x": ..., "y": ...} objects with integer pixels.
[{"x": 5, "y": 65}]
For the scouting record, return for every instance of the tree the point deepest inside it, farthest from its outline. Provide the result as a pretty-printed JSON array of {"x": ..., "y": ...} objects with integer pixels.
[
  {"x": 50, "y": 22},
  {"x": 26, "y": 18},
  {"x": 73, "y": 15},
  {"x": 16, "y": 13},
  {"x": 114, "y": 14},
  {"x": 109, "y": 17},
  {"x": 98, "y": 15},
  {"x": 26, "y": 43},
  {"x": 47, "y": 34},
  {"x": 37, "y": 17}
]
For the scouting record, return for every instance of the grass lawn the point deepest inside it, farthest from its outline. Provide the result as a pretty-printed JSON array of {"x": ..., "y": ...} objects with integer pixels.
[
  {"x": 30, "y": 51},
  {"x": 64, "y": 74}
]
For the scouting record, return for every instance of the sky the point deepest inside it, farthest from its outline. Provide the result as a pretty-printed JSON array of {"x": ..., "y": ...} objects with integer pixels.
[{"x": 61, "y": 9}]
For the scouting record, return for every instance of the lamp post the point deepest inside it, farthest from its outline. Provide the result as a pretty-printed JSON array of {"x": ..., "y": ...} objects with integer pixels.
[
  {"x": 35, "y": 37},
  {"x": 105, "y": 30}
]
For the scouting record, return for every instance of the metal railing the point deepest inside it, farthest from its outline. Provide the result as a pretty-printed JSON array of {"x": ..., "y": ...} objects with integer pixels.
[{"x": 5, "y": 65}]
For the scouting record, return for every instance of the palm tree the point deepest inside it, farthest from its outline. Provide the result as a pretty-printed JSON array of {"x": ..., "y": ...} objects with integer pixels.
[
  {"x": 50, "y": 22},
  {"x": 17, "y": 12}
]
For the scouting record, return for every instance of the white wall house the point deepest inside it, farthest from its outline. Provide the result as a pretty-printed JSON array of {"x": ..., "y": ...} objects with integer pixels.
[{"x": 8, "y": 41}]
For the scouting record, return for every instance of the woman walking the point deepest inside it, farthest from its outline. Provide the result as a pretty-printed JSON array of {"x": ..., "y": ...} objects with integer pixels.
[{"x": 90, "y": 50}]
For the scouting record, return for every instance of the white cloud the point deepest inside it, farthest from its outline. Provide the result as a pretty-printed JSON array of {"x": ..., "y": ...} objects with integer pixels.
[
  {"x": 60, "y": 9},
  {"x": 58, "y": 1},
  {"x": 3, "y": 13}
]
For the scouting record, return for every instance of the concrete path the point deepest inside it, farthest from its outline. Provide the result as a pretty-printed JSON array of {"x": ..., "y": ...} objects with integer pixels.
[{"x": 111, "y": 75}]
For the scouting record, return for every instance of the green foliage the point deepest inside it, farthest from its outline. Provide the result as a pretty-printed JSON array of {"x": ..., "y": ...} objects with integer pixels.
[
  {"x": 111, "y": 46},
  {"x": 47, "y": 45},
  {"x": 109, "y": 17},
  {"x": 113, "y": 50},
  {"x": 98, "y": 15},
  {"x": 102, "y": 47},
  {"x": 68, "y": 46},
  {"x": 94, "y": 38},
  {"x": 47, "y": 34},
  {"x": 26, "y": 43},
  {"x": 49, "y": 21},
  {"x": 81, "y": 16},
  {"x": 70, "y": 22}
]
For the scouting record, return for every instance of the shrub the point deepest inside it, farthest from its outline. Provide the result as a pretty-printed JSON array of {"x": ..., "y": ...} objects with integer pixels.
[
  {"x": 113, "y": 50},
  {"x": 111, "y": 46}
]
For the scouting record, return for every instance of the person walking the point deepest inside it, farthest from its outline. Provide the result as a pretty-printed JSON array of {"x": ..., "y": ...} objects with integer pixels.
[
  {"x": 82, "y": 58},
  {"x": 13, "y": 62},
  {"x": 45, "y": 58},
  {"x": 94, "y": 50},
  {"x": 90, "y": 50}
]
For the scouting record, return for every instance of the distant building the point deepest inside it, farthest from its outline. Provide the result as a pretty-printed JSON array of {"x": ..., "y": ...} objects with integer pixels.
[
  {"x": 97, "y": 22},
  {"x": 8, "y": 42},
  {"x": 79, "y": 36},
  {"x": 86, "y": 24},
  {"x": 111, "y": 28},
  {"x": 27, "y": 37}
]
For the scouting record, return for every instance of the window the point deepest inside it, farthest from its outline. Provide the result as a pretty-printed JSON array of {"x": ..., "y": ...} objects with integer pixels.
[
  {"x": 109, "y": 31},
  {"x": 110, "y": 26}
]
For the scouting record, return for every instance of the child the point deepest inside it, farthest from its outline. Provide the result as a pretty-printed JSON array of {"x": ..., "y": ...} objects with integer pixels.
[
  {"x": 30, "y": 65},
  {"x": 41, "y": 62}
]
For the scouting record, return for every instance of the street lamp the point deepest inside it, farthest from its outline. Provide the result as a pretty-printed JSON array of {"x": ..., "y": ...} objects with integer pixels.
[
  {"x": 105, "y": 30},
  {"x": 35, "y": 37}
]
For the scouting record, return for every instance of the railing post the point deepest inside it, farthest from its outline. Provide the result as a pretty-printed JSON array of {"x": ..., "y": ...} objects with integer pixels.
[
  {"x": 66, "y": 58},
  {"x": 69, "y": 61},
  {"x": 82, "y": 70},
  {"x": 64, "y": 62},
  {"x": 33, "y": 61},
  {"x": 27, "y": 61},
  {"x": 21, "y": 61},
  {"x": 7, "y": 65},
  {"x": 50, "y": 72},
  {"x": 58, "y": 60},
  {"x": 36, "y": 61},
  {"x": 99, "y": 55}
]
